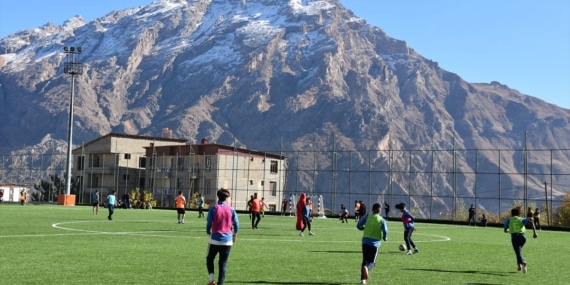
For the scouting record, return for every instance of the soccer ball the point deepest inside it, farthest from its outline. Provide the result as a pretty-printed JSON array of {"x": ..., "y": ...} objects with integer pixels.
[{"x": 402, "y": 247}]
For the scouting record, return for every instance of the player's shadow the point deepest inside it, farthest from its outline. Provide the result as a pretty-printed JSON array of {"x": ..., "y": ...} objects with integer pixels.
[
  {"x": 494, "y": 273},
  {"x": 283, "y": 282}
]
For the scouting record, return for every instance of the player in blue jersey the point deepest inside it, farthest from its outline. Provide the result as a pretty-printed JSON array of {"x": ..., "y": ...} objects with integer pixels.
[
  {"x": 375, "y": 230},
  {"x": 515, "y": 225}
]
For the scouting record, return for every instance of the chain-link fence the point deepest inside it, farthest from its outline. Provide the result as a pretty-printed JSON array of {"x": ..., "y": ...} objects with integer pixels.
[{"x": 435, "y": 184}]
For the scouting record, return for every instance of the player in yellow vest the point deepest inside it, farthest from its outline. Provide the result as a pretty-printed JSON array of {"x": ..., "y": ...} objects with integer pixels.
[
  {"x": 515, "y": 225},
  {"x": 180, "y": 204}
]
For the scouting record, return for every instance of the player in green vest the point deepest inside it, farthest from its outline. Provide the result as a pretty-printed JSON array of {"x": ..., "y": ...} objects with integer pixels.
[
  {"x": 375, "y": 230},
  {"x": 515, "y": 225}
]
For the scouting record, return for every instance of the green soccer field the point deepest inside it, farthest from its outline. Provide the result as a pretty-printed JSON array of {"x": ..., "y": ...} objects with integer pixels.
[{"x": 69, "y": 245}]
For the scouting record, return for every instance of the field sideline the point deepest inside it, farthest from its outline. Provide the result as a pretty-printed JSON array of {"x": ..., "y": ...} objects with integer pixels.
[{"x": 46, "y": 244}]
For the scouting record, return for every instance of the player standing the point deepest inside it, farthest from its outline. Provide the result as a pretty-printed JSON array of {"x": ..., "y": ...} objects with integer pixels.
[
  {"x": 95, "y": 202},
  {"x": 180, "y": 204}
]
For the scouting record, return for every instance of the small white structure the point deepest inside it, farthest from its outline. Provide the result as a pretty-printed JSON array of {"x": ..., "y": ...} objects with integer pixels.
[{"x": 12, "y": 192}]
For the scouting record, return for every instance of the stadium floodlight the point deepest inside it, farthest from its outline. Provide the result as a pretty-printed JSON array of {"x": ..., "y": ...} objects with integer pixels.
[{"x": 73, "y": 68}]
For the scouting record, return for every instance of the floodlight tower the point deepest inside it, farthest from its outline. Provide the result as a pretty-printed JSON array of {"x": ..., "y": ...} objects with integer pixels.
[{"x": 71, "y": 67}]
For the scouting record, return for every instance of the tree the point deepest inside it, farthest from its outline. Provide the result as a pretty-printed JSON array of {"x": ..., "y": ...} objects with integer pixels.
[
  {"x": 47, "y": 191},
  {"x": 562, "y": 214}
]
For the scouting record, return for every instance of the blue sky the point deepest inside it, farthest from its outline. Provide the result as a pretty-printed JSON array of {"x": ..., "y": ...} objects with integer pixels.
[{"x": 524, "y": 44}]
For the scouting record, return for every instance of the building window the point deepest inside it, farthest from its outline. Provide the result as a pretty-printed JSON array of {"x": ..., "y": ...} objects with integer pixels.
[
  {"x": 95, "y": 181},
  {"x": 262, "y": 182},
  {"x": 179, "y": 183},
  {"x": 141, "y": 182},
  {"x": 96, "y": 160},
  {"x": 142, "y": 162},
  {"x": 273, "y": 167},
  {"x": 181, "y": 163},
  {"x": 80, "y": 162},
  {"x": 125, "y": 177},
  {"x": 208, "y": 163},
  {"x": 273, "y": 188},
  {"x": 250, "y": 182},
  {"x": 127, "y": 156},
  {"x": 207, "y": 190}
]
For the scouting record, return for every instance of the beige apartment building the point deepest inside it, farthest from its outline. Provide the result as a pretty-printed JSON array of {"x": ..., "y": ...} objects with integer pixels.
[
  {"x": 204, "y": 168},
  {"x": 113, "y": 162},
  {"x": 165, "y": 166}
]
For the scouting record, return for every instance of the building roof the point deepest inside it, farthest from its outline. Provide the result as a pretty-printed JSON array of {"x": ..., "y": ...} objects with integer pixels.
[
  {"x": 135, "y": 137},
  {"x": 209, "y": 149}
]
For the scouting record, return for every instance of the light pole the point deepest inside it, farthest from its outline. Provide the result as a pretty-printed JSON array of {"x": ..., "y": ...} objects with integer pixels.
[{"x": 72, "y": 67}]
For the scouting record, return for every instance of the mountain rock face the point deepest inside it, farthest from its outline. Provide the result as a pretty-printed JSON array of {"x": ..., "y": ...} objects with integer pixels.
[{"x": 297, "y": 75}]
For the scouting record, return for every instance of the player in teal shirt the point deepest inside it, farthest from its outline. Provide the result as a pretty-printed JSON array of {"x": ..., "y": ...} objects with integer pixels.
[
  {"x": 111, "y": 201},
  {"x": 375, "y": 230},
  {"x": 515, "y": 225}
]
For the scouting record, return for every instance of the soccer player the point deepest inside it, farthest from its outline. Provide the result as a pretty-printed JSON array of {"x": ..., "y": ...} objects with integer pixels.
[
  {"x": 180, "y": 204},
  {"x": 201, "y": 206},
  {"x": 536, "y": 219},
  {"x": 23, "y": 196},
  {"x": 375, "y": 230},
  {"x": 306, "y": 218},
  {"x": 111, "y": 201},
  {"x": 95, "y": 202},
  {"x": 255, "y": 208},
  {"x": 471, "y": 215},
  {"x": 409, "y": 228},
  {"x": 222, "y": 218},
  {"x": 343, "y": 214},
  {"x": 515, "y": 225}
]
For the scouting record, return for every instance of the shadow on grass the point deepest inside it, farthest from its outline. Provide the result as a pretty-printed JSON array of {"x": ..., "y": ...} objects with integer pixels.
[
  {"x": 494, "y": 273},
  {"x": 337, "y": 251},
  {"x": 283, "y": 282}
]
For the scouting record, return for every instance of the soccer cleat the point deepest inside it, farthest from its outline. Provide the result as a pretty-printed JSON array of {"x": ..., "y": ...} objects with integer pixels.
[
  {"x": 519, "y": 268},
  {"x": 363, "y": 282},
  {"x": 524, "y": 267},
  {"x": 311, "y": 233},
  {"x": 301, "y": 234},
  {"x": 364, "y": 274},
  {"x": 416, "y": 250},
  {"x": 409, "y": 252},
  {"x": 212, "y": 282}
]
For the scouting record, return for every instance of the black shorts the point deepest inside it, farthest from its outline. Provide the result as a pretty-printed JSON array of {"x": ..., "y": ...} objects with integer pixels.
[
  {"x": 95, "y": 204},
  {"x": 181, "y": 211}
]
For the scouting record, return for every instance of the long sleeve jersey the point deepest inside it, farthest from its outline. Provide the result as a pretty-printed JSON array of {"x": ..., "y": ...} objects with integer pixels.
[{"x": 222, "y": 218}]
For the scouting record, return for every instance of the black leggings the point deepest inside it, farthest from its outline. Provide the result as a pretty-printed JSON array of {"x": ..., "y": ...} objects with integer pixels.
[{"x": 408, "y": 238}]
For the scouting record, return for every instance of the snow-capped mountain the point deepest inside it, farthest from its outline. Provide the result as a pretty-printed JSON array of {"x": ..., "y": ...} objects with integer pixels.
[{"x": 304, "y": 74}]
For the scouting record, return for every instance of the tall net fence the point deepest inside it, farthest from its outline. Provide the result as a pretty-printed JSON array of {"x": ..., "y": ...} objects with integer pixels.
[{"x": 435, "y": 184}]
